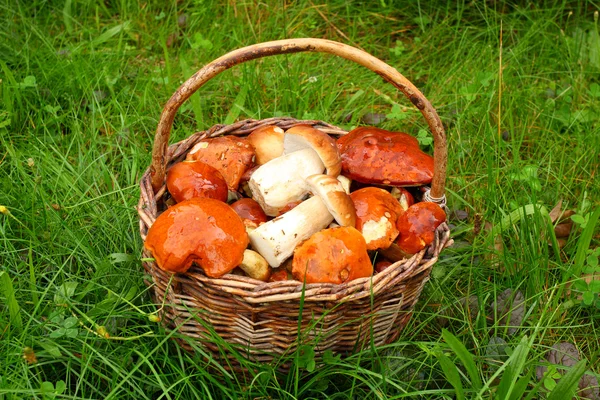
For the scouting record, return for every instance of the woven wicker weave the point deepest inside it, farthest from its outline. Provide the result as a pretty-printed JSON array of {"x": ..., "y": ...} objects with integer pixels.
[{"x": 261, "y": 318}]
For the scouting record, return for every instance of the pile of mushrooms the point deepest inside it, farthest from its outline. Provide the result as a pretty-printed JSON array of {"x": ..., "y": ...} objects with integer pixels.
[{"x": 297, "y": 204}]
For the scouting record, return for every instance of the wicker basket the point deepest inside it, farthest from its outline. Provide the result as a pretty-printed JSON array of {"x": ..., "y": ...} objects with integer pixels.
[{"x": 262, "y": 319}]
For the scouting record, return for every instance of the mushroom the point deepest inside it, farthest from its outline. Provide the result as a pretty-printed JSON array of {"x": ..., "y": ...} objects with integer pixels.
[
  {"x": 288, "y": 207},
  {"x": 404, "y": 197},
  {"x": 200, "y": 230},
  {"x": 417, "y": 226},
  {"x": 282, "y": 180},
  {"x": 346, "y": 182},
  {"x": 365, "y": 131},
  {"x": 335, "y": 255},
  {"x": 250, "y": 212},
  {"x": 244, "y": 186},
  {"x": 381, "y": 265},
  {"x": 189, "y": 179},
  {"x": 280, "y": 274},
  {"x": 267, "y": 142},
  {"x": 374, "y": 156},
  {"x": 277, "y": 239},
  {"x": 255, "y": 266},
  {"x": 333, "y": 194},
  {"x": 303, "y": 136},
  {"x": 232, "y": 156},
  {"x": 376, "y": 215}
]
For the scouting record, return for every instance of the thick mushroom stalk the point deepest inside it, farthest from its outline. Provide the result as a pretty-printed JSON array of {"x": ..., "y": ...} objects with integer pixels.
[
  {"x": 277, "y": 239},
  {"x": 282, "y": 180}
]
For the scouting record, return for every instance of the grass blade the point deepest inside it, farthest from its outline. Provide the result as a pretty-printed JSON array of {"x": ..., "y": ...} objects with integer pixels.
[
  {"x": 566, "y": 387},
  {"x": 451, "y": 373},
  {"x": 520, "y": 387},
  {"x": 237, "y": 106},
  {"x": 115, "y": 30},
  {"x": 583, "y": 244},
  {"x": 194, "y": 98},
  {"x": 67, "y": 16},
  {"x": 516, "y": 362},
  {"x": 464, "y": 356},
  {"x": 14, "y": 309}
]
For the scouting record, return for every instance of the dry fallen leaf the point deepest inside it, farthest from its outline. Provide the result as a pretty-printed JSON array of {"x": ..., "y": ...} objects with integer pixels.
[{"x": 563, "y": 220}]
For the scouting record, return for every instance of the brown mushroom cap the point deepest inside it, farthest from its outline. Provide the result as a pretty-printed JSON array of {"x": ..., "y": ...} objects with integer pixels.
[
  {"x": 304, "y": 136},
  {"x": 373, "y": 155},
  {"x": 231, "y": 156},
  {"x": 417, "y": 226},
  {"x": 335, "y": 255},
  {"x": 376, "y": 215},
  {"x": 267, "y": 142},
  {"x": 189, "y": 179},
  {"x": 250, "y": 210},
  {"x": 201, "y": 230}
]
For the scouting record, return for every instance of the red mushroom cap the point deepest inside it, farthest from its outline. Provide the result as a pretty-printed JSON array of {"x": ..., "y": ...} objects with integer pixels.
[
  {"x": 373, "y": 155},
  {"x": 335, "y": 255},
  {"x": 417, "y": 226},
  {"x": 376, "y": 215},
  {"x": 201, "y": 230},
  {"x": 250, "y": 210},
  {"x": 189, "y": 179},
  {"x": 232, "y": 156}
]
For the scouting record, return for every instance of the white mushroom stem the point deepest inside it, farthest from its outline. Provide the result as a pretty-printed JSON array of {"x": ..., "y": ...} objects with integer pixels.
[
  {"x": 281, "y": 180},
  {"x": 255, "y": 266},
  {"x": 277, "y": 239}
]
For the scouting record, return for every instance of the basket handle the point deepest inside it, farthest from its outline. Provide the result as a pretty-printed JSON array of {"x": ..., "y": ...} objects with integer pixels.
[{"x": 161, "y": 139}]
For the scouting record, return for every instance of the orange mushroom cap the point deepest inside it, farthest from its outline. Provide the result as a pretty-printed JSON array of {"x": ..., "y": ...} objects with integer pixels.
[
  {"x": 335, "y": 255},
  {"x": 200, "y": 230},
  {"x": 231, "y": 156},
  {"x": 376, "y": 215},
  {"x": 250, "y": 210},
  {"x": 189, "y": 179},
  {"x": 373, "y": 155},
  {"x": 417, "y": 226}
]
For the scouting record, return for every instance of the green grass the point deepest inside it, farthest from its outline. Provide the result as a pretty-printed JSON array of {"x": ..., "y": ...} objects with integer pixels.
[{"x": 82, "y": 87}]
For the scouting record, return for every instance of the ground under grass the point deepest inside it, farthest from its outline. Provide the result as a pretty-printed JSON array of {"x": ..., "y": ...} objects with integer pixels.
[{"x": 82, "y": 86}]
